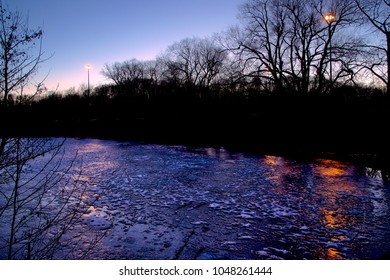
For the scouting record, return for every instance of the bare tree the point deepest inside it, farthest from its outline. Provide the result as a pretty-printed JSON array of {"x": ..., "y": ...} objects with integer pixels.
[
  {"x": 134, "y": 76},
  {"x": 377, "y": 14},
  {"x": 39, "y": 199},
  {"x": 335, "y": 62},
  {"x": 20, "y": 54},
  {"x": 154, "y": 70},
  {"x": 123, "y": 73},
  {"x": 194, "y": 61},
  {"x": 286, "y": 44},
  {"x": 18, "y": 64}
]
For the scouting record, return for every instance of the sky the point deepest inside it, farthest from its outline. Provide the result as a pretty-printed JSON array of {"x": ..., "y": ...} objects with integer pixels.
[{"x": 95, "y": 32}]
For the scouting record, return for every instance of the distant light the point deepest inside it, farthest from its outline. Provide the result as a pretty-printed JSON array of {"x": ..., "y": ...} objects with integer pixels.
[
  {"x": 329, "y": 18},
  {"x": 88, "y": 67}
]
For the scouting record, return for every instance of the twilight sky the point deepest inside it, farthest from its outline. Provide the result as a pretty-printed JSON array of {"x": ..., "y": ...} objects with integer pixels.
[{"x": 79, "y": 32}]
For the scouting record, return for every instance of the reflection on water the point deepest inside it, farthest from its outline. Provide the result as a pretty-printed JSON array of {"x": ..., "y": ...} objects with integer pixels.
[
  {"x": 160, "y": 202},
  {"x": 331, "y": 168},
  {"x": 153, "y": 199},
  {"x": 332, "y": 174},
  {"x": 345, "y": 204},
  {"x": 221, "y": 153}
]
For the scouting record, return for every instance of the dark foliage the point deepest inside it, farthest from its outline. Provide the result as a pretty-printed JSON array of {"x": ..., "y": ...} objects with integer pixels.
[{"x": 349, "y": 120}]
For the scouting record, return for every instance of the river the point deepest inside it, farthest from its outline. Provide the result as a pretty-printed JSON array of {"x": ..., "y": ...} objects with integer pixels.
[{"x": 177, "y": 202}]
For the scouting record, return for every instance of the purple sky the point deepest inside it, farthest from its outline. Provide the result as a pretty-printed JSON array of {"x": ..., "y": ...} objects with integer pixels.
[{"x": 79, "y": 32}]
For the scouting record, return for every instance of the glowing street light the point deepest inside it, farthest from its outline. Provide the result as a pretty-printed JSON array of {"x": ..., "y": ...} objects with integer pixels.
[
  {"x": 88, "y": 67},
  {"x": 330, "y": 18}
]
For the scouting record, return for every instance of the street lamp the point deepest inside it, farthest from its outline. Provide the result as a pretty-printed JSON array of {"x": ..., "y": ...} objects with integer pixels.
[
  {"x": 329, "y": 18},
  {"x": 88, "y": 67}
]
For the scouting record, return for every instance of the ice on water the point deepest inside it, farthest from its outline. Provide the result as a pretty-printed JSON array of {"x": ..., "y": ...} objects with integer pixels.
[{"x": 167, "y": 202}]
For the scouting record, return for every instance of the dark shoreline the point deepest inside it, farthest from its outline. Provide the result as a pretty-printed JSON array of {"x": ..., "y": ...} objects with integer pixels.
[
  {"x": 241, "y": 141},
  {"x": 300, "y": 127}
]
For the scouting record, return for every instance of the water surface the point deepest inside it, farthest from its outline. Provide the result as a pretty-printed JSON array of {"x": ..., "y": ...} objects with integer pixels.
[
  {"x": 173, "y": 202},
  {"x": 164, "y": 202}
]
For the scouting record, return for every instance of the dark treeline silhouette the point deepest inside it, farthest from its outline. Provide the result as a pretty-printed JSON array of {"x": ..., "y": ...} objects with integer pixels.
[
  {"x": 290, "y": 79},
  {"x": 347, "y": 120}
]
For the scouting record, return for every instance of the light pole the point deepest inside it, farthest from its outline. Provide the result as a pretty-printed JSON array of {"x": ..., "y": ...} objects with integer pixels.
[
  {"x": 329, "y": 18},
  {"x": 88, "y": 67}
]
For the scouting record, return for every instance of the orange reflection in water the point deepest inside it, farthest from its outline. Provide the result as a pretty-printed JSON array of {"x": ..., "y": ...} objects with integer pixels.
[
  {"x": 330, "y": 219},
  {"x": 332, "y": 251},
  {"x": 92, "y": 147},
  {"x": 285, "y": 175},
  {"x": 331, "y": 168},
  {"x": 270, "y": 160},
  {"x": 329, "y": 182},
  {"x": 335, "y": 177},
  {"x": 334, "y": 186},
  {"x": 333, "y": 254},
  {"x": 278, "y": 170}
]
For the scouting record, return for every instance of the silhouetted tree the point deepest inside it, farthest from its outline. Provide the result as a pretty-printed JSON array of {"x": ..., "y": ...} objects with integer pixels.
[
  {"x": 20, "y": 54},
  {"x": 194, "y": 61},
  {"x": 286, "y": 44},
  {"x": 123, "y": 73},
  {"x": 154, "y": 70},
  {"x": 134, "y": 77},
  {"x": 40, "y": 201},
  {"x": 377, "y": 14}
]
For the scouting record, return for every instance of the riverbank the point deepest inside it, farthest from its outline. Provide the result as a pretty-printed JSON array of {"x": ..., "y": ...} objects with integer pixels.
[
  {"x": 296, "y": 127},
  {"x": 235, "y": 138}
]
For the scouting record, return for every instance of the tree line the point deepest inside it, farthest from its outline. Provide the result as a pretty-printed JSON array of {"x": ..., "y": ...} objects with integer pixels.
[
  {"x": 281, "y": 46},
  {"x": 287, "y": 59}
]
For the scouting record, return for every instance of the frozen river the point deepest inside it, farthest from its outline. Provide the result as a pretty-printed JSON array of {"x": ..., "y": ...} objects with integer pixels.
[{"x": 173, "y": 202}]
